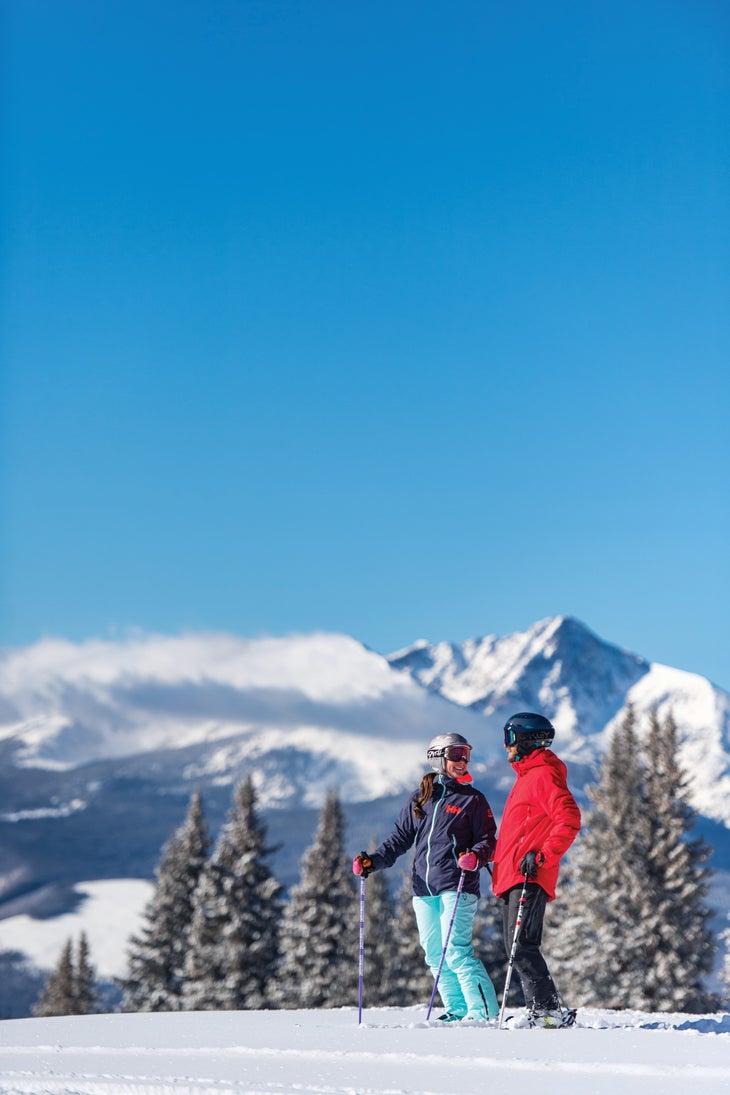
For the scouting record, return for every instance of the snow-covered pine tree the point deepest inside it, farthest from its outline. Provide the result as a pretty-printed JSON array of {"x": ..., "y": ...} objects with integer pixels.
[
  {"x": 381, "y": 943},
  {"x": 557, "y": 912},
  {"x": 84, "y": 979},
  {"x": 157, "y": 955},
  {"x": 58, "y": 996},
  {"x": 682, "y": 944},
  {"x": 637, "y": 934},
  {"x": 71, "y": 987},
  {"x": 233, "y": 942},
  {"x": 319, "y": 931},
  {"x": 599, "y": 953},
  {"x": 725, "y": 972},
  {"x": 412, "y": 980}
]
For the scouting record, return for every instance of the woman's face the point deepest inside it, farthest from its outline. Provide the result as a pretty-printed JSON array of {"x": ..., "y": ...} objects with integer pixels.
[{"x": 458, "y": 768}]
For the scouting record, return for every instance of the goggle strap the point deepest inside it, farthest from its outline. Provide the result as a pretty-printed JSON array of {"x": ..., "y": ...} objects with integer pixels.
[{"x": 432, "y": 754}]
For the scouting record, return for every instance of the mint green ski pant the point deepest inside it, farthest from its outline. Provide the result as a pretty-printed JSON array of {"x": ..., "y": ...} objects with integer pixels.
[{"x": 464, "y": 985}]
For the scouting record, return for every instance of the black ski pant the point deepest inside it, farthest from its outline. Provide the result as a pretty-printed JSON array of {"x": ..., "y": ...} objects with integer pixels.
[{"x": 537, "y": 984}]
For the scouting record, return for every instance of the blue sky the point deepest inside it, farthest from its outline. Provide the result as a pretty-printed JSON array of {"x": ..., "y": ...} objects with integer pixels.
[{"x": 398, "y": 319}]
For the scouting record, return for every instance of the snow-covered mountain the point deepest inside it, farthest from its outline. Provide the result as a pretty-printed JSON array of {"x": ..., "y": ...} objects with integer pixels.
[
  {"x": 583, "y": 684},
  {"x": 305, "y": 713},
  {"x": 102, "y": 742},
  {"x": 308, "y": 712}
]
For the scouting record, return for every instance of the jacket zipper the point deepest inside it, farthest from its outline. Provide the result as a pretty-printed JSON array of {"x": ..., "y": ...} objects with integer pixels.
[{"x": 430, "y": 834}]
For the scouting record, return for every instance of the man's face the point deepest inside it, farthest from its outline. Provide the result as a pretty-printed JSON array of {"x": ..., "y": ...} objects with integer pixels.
[{"x": 512, "y": 751}]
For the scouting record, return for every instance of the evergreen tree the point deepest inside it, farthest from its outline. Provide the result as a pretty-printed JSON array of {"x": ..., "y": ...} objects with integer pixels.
[
  {"x": 70, "y": 988},
  {"x": 157, "y": 955},
  {"x": 319, "y": 935},
  {"x": 412, "y": 980},
  {"x": 599, "y": 952},
  {"x": 682, "y": 944},
  {"x": 85, "y": 979},
  {"x": 725, "y": 974},
  {"x": 234, "y": 934},
  {"x": 381, "y": 943},
  {"x": 635, "y": 933},
  {"x": 58, "y": 995}
]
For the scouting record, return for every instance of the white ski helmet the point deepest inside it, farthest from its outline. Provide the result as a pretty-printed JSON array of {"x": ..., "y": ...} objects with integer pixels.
[{"x": 437, "y": 750}]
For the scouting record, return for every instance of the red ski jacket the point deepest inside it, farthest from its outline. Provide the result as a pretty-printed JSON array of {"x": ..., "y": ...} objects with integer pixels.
[{"x": 540, "y": 815}]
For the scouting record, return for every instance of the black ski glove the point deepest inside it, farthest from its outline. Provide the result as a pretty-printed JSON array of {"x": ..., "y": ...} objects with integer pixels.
[
  {"x": 362, "y": 865},
  {"x": 530, "y": 862}
]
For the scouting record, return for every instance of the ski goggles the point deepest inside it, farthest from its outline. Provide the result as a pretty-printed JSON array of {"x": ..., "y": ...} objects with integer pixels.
[{"x": 457, "y": 752}]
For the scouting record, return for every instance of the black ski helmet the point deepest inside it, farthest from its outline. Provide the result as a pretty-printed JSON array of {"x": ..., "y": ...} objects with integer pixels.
[{"x": 528, "y": 731}]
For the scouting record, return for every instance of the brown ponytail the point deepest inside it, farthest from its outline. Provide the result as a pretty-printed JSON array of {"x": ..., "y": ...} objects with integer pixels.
[{"x": 423, "y": 794}]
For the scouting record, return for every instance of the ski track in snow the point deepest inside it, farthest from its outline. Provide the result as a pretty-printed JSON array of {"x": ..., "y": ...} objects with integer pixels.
[{"x": 393, "y": 1053}]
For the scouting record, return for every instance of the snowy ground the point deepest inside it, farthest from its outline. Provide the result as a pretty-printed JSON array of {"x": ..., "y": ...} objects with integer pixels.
[{"x": 392, "y": 1053}]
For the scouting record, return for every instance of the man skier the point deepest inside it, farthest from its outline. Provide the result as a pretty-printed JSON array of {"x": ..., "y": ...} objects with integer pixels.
[{"x": 540, "y": 822}]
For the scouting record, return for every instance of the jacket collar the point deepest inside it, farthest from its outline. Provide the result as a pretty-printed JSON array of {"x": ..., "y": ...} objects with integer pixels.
[
  {"x": 448, "y": 783},
  {"x": 533, "y": 760}
]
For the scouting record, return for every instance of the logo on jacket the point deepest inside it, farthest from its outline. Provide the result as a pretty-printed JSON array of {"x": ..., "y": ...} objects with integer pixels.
[{"x": 453, "y": 809}]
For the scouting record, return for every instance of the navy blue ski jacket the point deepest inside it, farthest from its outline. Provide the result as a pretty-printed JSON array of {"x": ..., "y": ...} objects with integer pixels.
[{"x": 456, "y": 819}]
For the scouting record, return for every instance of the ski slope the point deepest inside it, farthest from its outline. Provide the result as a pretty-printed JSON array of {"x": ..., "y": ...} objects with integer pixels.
[{"x": 393, "y": 1052}]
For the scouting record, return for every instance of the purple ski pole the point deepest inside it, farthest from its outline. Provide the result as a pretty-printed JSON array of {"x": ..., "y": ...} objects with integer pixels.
[
  {"x": 361, "y": 960},
  {"x": 459, "y": 888}
]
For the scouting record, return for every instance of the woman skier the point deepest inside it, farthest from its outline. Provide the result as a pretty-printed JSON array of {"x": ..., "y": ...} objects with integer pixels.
[{"x": 453, "y": 830}]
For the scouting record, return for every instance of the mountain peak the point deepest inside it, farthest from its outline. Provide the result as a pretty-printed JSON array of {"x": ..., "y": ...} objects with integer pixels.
[
  {"x": 562, "y": 626},
  {"x": 558, "y": 667}
]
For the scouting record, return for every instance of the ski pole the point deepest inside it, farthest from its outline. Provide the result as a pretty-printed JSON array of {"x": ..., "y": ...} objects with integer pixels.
[
  {"x": 513, "y": 952},
  {"x": 459, "y": 888},
  {"x": 569, "y": 1014},
  {"x": 361, "y": 959}
]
